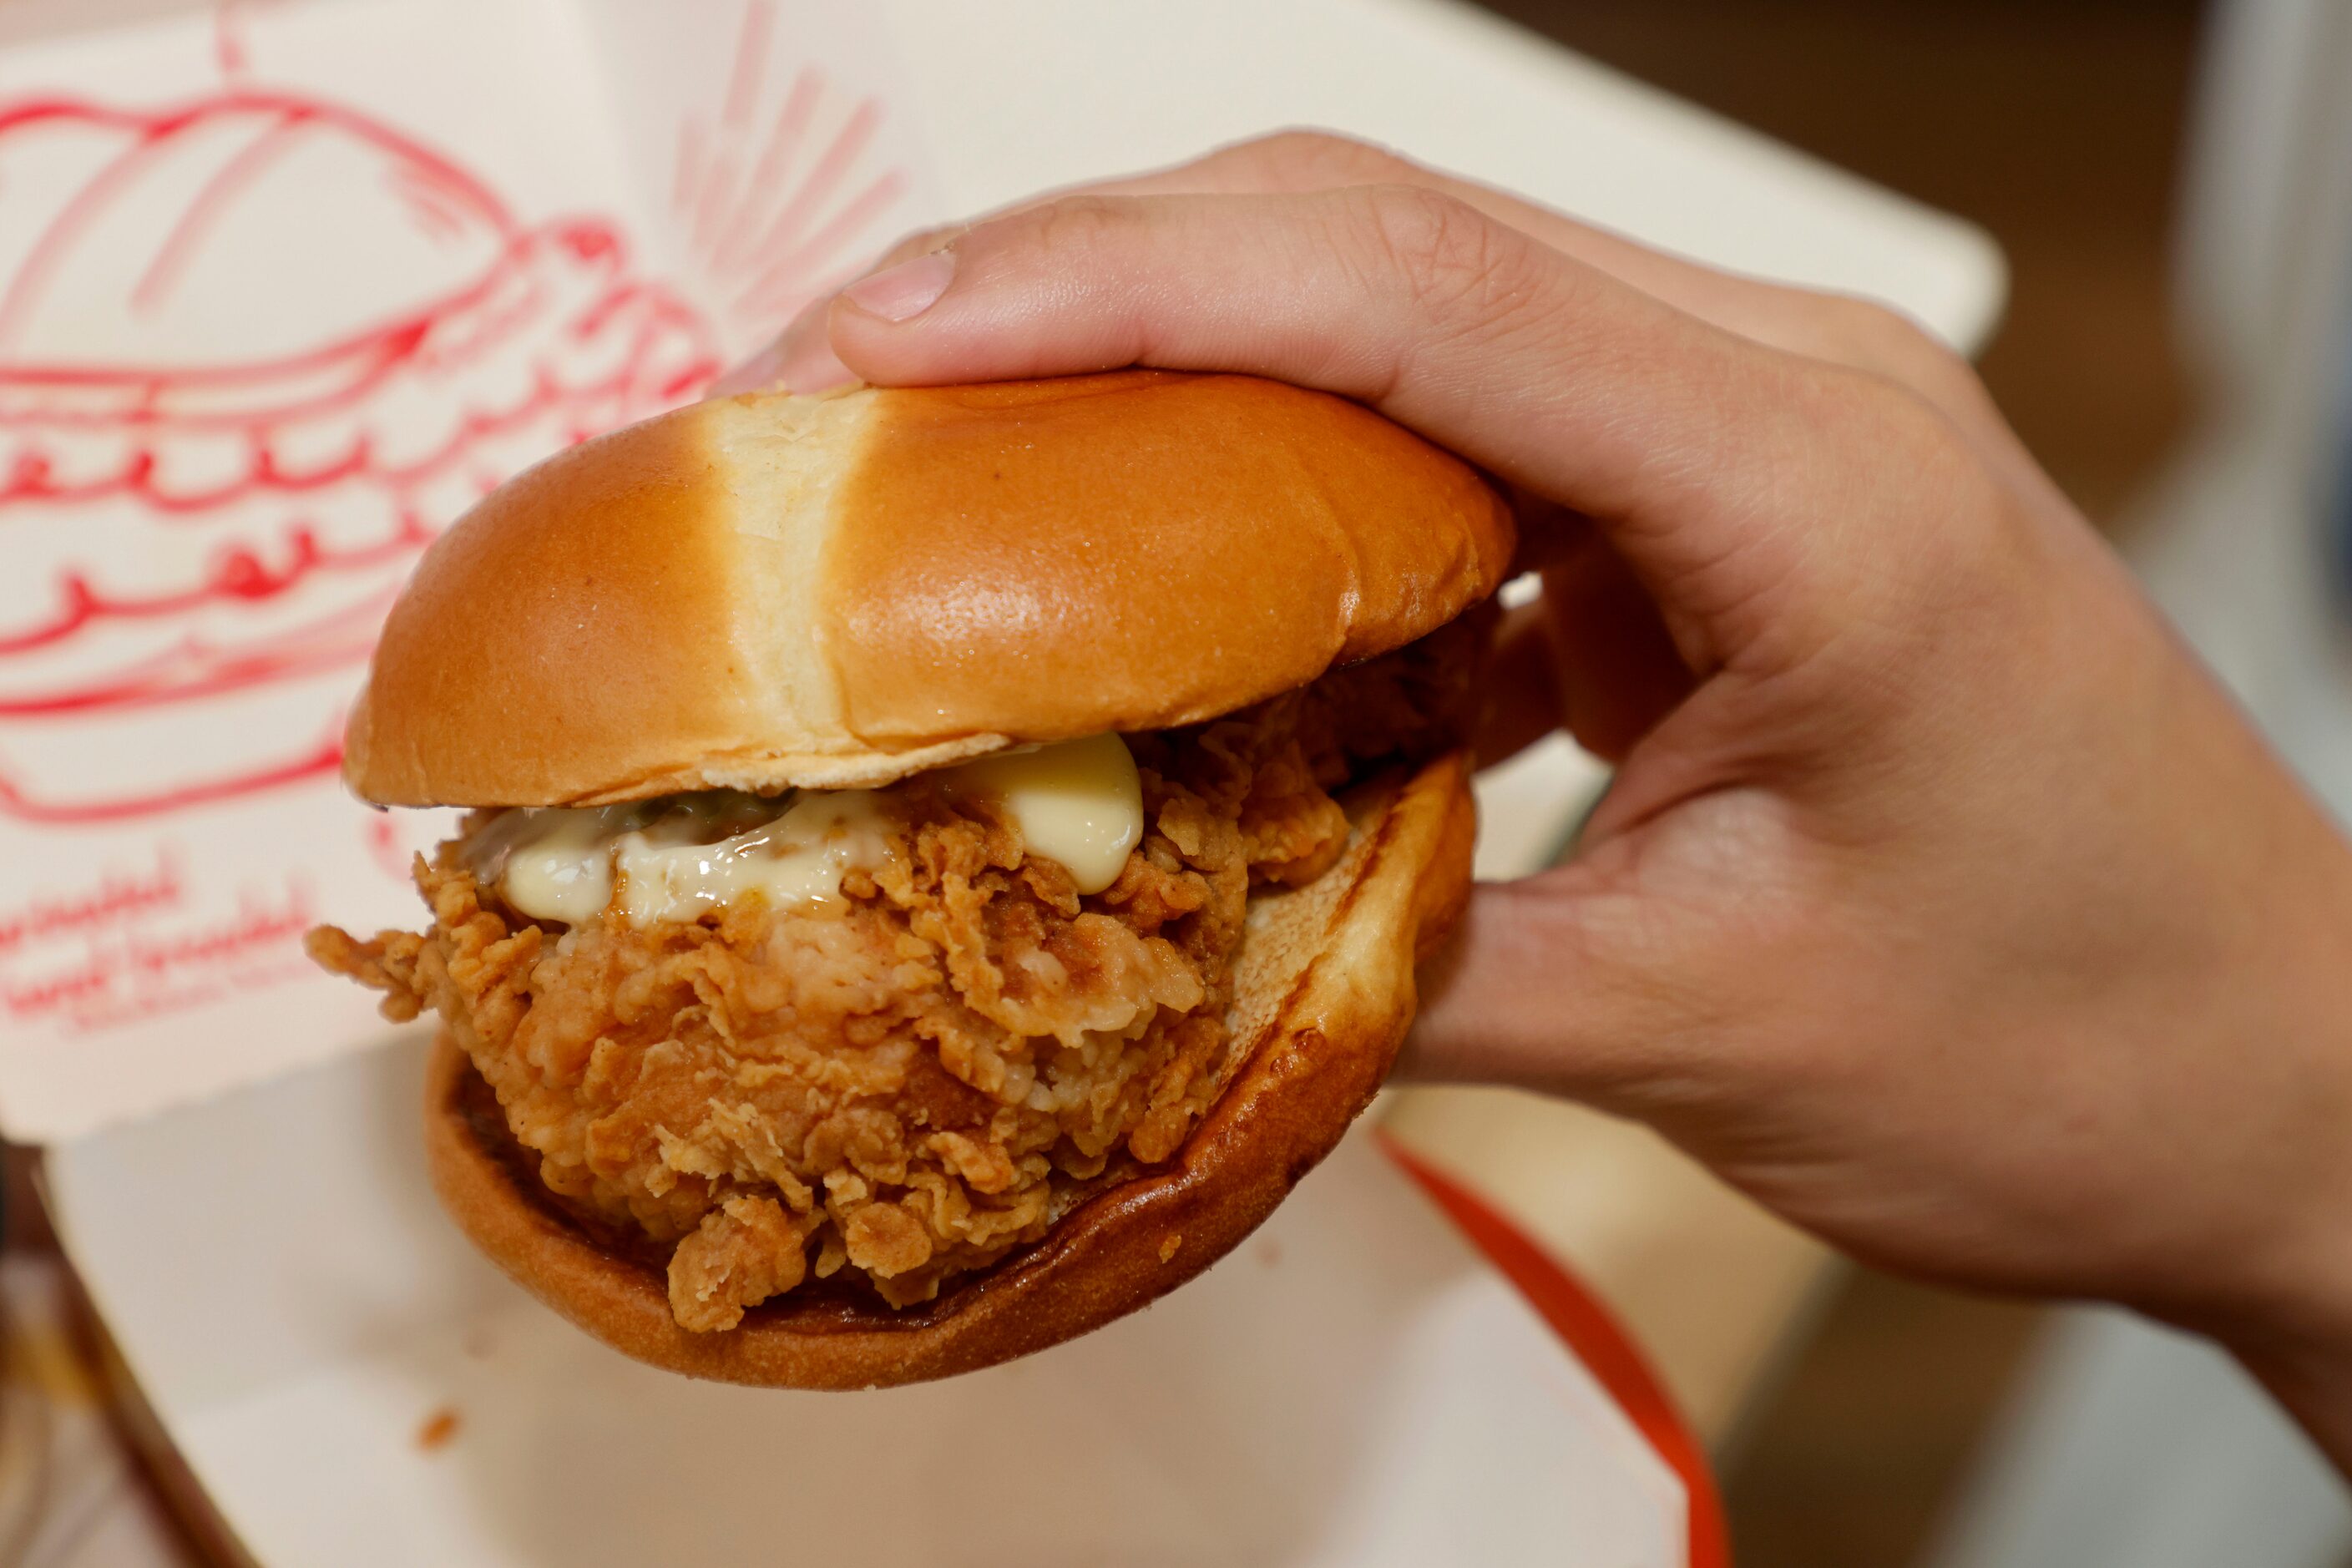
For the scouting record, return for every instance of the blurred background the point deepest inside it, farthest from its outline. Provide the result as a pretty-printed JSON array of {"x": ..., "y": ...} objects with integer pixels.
[{"x": 2172, "y": 185}]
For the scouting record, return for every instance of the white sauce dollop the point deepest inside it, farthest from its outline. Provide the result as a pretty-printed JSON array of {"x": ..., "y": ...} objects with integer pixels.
[
  {"x": 1079, "y": 803},
  {"x": 798, "y": 859}
]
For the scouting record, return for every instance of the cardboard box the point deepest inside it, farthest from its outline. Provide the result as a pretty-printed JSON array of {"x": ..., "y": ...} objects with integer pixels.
[{"x": 282, "y": 288}]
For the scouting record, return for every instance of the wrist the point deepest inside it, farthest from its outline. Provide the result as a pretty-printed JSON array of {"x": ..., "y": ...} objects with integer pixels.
[{"x": 2284, "y": 1312}]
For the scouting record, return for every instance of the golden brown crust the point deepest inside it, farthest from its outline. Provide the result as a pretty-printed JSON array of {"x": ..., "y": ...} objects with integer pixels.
[
  {"x": 549, "y": 588},
  {"x": 1136, "y": 552},
  {"x": 767, "y": 590},
  {"x": 1324, "y": 991}
]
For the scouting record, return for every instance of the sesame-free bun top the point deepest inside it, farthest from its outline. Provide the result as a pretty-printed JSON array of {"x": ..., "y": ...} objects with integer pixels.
[{"x": 766, "y": 591}]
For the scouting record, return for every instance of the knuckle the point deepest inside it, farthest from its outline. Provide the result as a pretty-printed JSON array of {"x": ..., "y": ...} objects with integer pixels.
[
  {"x": 1079, "y": 224},
  {"x": 1444, "y": 250},
  {"x": 1936, "y": 508},
  {"x": 1311, "y": 157},
  {"x": 1912, "y": 439},
  {"x": 1867, "y": 333}
]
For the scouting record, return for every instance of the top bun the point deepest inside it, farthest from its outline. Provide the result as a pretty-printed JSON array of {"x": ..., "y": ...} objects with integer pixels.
[{"x": 768, "y": 590}]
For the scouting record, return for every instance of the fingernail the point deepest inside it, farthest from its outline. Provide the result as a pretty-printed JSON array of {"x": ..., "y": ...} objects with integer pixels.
[{"x": 901, "y": 293}]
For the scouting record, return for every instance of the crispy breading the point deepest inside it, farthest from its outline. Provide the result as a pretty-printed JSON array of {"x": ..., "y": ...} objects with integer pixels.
[{"x": 915, "y": 1080}]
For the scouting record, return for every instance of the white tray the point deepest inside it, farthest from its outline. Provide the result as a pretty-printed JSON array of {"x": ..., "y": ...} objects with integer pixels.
[{"x": 1353, "y": 1385}]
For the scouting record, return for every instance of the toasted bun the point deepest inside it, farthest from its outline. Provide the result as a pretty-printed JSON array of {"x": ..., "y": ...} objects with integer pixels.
[
  {"x": 768, "y": 590},
  {"x": 1324, "y": 993}
]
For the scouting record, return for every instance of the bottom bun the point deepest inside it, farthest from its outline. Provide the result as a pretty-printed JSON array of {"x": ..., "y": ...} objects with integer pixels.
[{"x": 1323, "y": 993}]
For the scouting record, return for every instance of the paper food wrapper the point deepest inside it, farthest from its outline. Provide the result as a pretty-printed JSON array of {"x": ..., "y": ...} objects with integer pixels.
[
  {"x": 1353, "y": 1385},
  {"x": 283, "y": 289}
]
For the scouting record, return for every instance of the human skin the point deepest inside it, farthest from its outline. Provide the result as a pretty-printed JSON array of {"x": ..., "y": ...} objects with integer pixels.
[{"x": 1941, "y": 902}]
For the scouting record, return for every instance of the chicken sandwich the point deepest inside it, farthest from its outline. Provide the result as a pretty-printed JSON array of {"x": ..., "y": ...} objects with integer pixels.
[{"x": 943, "y": 862}]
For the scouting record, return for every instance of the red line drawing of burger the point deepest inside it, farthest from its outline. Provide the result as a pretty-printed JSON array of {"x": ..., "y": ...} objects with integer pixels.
[{"x": 253, "y": 351}]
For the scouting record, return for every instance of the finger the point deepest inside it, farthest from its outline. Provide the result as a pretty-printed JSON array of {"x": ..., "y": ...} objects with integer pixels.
[
  {"x": 1553, "y": 985},
  {"x": 1616, "y": 673},
  {"x": 1519, "y": 686},
  {"x": 1591, "y": 656},
  {"x": 1839, "y": 329},
  {"x": 801, "y": 357},
  {"x": 1720, "y": 469}
]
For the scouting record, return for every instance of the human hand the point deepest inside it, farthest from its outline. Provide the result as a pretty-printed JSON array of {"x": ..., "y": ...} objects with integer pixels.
[{"x": 1940, "y": 901}]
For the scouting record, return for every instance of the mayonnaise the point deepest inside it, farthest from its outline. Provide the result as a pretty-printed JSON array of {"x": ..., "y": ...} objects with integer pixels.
[
  {"x": 798, "y": 859},
  {"x": 554, "y": 865},
  {"x": 1079, "y": 803}
]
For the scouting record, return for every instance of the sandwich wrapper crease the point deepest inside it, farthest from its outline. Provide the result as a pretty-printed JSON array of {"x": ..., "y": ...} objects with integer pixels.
[{"x": 284, "y": 287}]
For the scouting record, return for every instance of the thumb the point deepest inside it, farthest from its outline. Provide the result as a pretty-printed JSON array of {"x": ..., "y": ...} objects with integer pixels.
[{"x": 1557, "y": 985}]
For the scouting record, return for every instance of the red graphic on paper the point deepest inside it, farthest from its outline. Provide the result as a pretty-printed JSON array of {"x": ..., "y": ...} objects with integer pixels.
[
  {"x": 129, "y": 969},
  {"x": 769, "y": 202},
  {"x": 254, "y": 351},
  {"x": 257, "y": 350}
]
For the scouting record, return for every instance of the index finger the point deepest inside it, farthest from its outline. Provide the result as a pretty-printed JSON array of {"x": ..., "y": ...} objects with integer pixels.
[
  {"x": 1838, "y": 328},
  {"x": 1835, "y": 328},
  {"x": 1762, "y": 498}
]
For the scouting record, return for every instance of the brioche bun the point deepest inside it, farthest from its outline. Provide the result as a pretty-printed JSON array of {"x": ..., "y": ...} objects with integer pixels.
[{"x": 769, "y": 590}]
